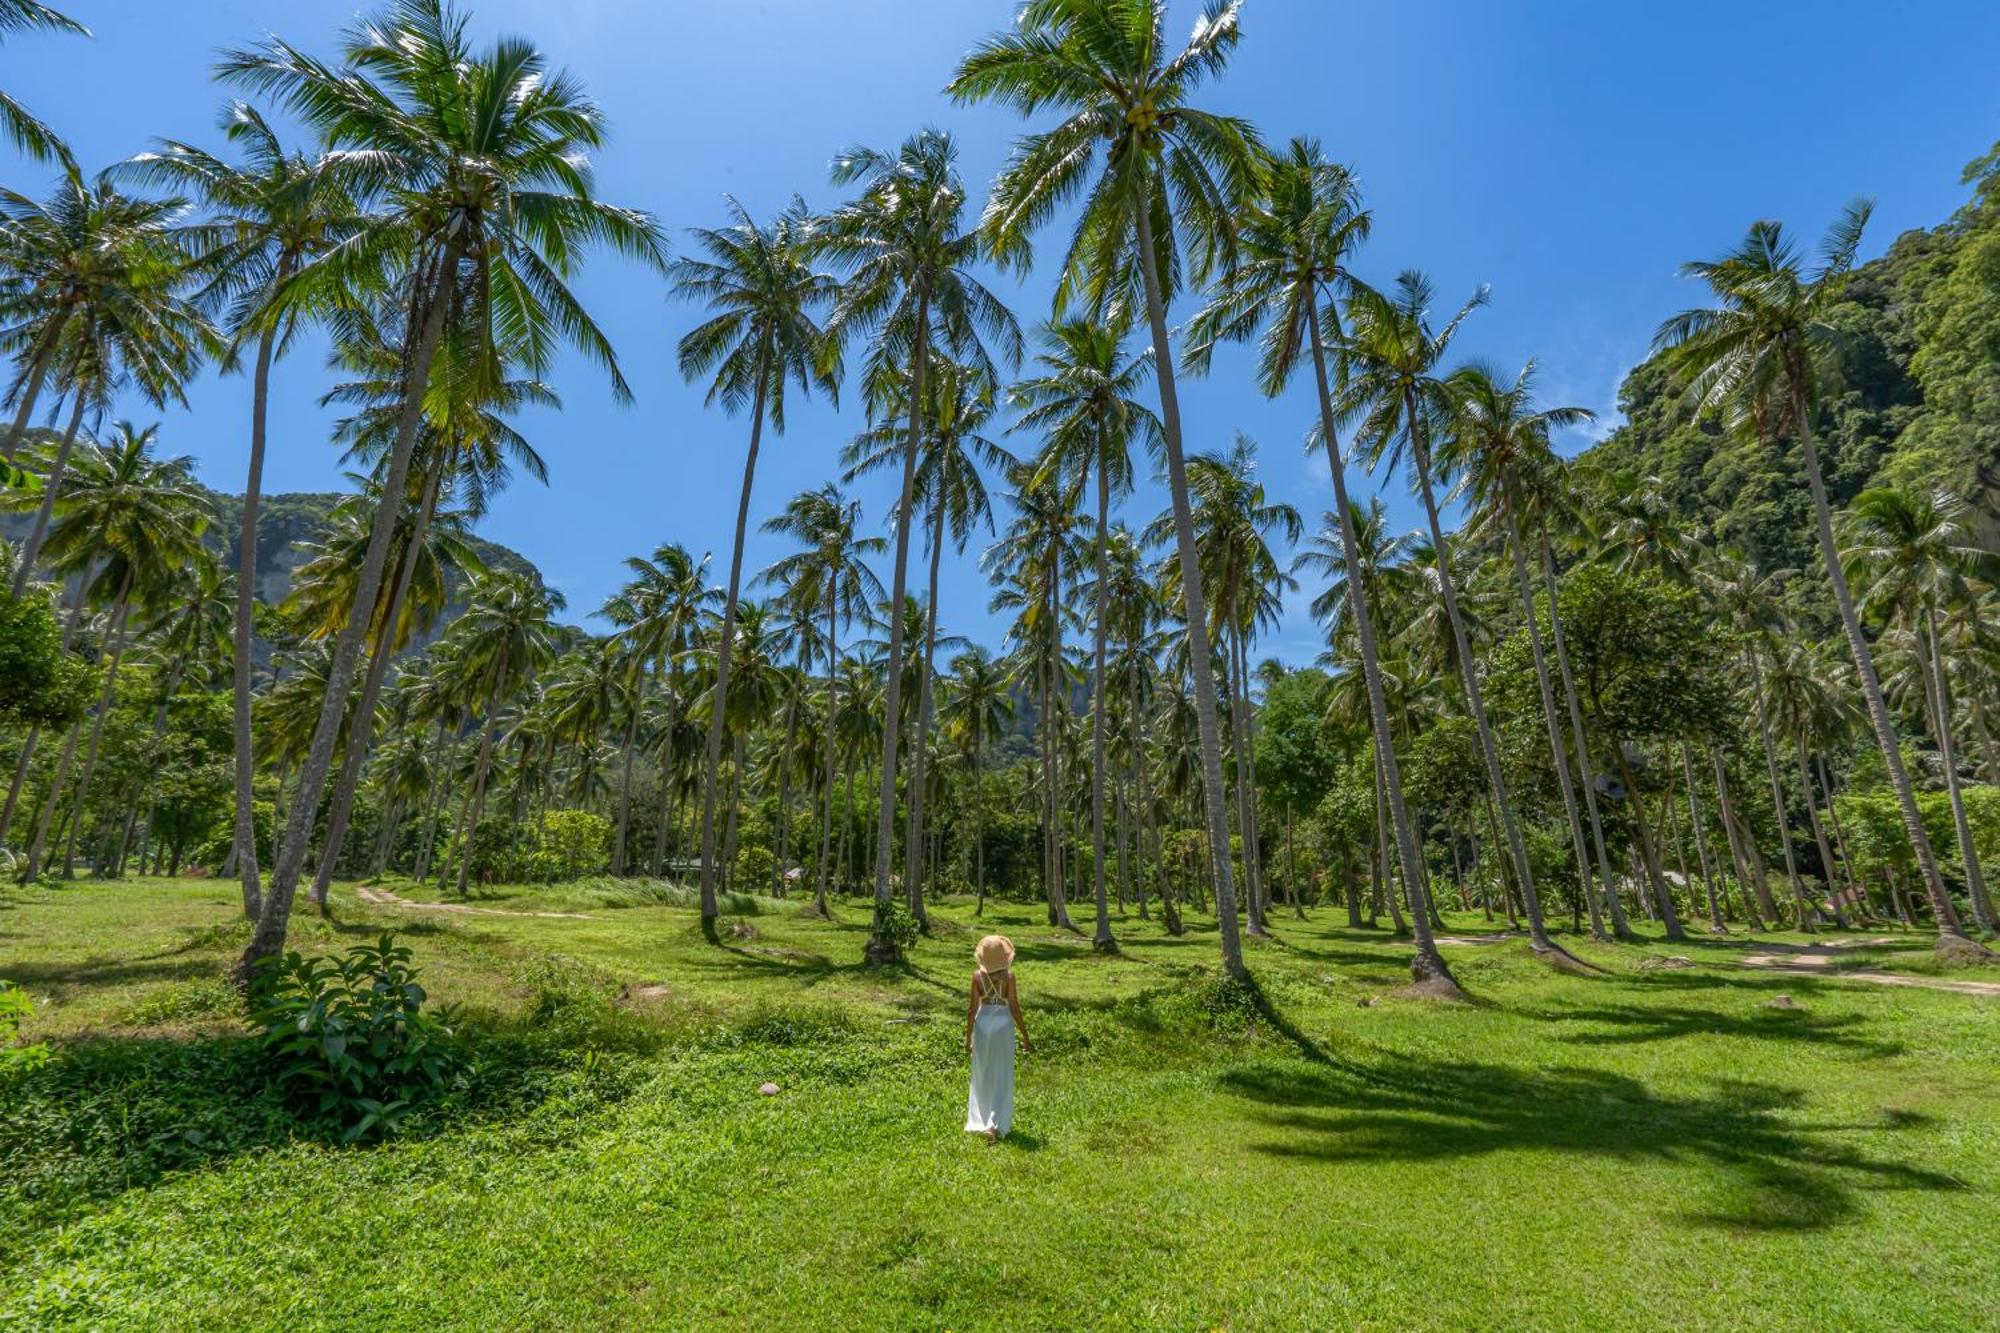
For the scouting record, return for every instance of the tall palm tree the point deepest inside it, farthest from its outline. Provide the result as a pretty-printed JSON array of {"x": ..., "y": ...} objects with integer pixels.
[
  {"x": 1029, "y": 560},
  {"x": 130, "y": 521},
  {"x": 1498, "y": 445},
  {"x": 267, "y": 217},
  {"x": 670, "y": 596},
  {"x": 1161, "y": 182},
  {"x": 950, "y": 485},
  {"x": 29, "y": 135},
  {"x": 1760, "y": 355},
  {"x": 1296, "y": 243},
  {"x": 763, "y": 290},
  {"x": 1398, "y": 395},
  {"x": 502, "y": 638},
  {"x": 478, "y": 163},
  {"x": 94, "y": 293},
  {"x": 1914, "y": 556},
  {"x": 976, "y": 707},
  {"x": 832, "y": 572},
  {"x": 1232, "y": 517},
  {"x": 908, "y": 254},
  {"x": 1082, "y": 398}
]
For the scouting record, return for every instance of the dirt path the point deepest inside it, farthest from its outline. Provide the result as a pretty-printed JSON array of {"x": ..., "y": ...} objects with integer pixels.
[
  {"x": 1817, "y": 960},
  {"x": 384, "y": 898}
]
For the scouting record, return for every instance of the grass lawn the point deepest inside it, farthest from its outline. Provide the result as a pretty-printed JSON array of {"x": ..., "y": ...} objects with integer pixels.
[{"x": 1658, "y": 1147}]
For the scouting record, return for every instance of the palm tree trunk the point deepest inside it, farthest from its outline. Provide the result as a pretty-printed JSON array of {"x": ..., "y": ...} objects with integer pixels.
[
  {"x": 244, "y": 640},
  {"x": 29, "y": 386},
  {"x": 1701, "y": 841},
  {"x": 361, "y": 729},
  {"x": 1428, "y": 966},
  {"x": 1818, "y": 829},
  {"x": 1852, "y": 881},
  {"x": 1199, "y": 667},
  {"x": 1236, "y": 698},
  {"x": 642, "y": 679},
  {"x": 733, "y": 824},
  {"x": 105, "y": 703},
  {"x": 272, "y": 922},
  {"x": 1538, "y": 936},
  {"x": 1951, "y": 937},
  {"x": 1102, "y": 941},
  {"x": 978, "y": 817},
  {"x": 1579, "y": 741},
  {"x": 827, "y": 740},
  {"x": 1649, "y": 852},
  {"x": 31, "y": 549},
  {"x": 1750, "y": 859},
  {"x": 880, "y": 948},
  {"x": 913, "y": 852},
  {"x": 1777, "y": 790},
  {"x": 667, "y": 775},
  {"x": 173, "y": 687},
  {"x": 1557, "y": 751},
  {"x": 38, "y": 844},
  {"x": 476, "y": 806},
  {"x": 724, "y": 648},
  {"x": 1940, "y": 696}
]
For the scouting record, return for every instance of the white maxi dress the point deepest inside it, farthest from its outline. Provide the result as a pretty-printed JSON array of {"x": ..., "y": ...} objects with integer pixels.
[{"x": 990, "y": 1102}]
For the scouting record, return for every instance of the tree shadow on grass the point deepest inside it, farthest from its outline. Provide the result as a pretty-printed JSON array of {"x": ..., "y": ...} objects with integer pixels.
[
  {"x": 1773, "y": 1173},
  {"x": 1632, "y": 1024},
  {"x": 109, "y": 973}
]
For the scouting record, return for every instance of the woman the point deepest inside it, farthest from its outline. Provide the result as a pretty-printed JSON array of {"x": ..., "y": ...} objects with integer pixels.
[{"x": 992, "y": 1016}]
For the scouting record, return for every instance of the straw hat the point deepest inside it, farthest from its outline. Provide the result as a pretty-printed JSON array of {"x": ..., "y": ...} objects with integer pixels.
[{"x": 995, "y": 953}]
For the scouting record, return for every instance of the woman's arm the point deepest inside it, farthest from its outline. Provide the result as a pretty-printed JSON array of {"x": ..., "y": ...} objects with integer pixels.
[
  {"x": 1014, "y": 1008},
  {"x": 971, "y": 1008}
]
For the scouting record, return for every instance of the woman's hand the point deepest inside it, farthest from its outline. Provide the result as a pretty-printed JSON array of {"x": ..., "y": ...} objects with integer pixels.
[
  {"x": 968, "y": 1043},
  {"x": 1027, "y": 1046}
]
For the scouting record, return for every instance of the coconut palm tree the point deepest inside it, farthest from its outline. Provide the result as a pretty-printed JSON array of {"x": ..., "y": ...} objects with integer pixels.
[
  {"x": 908, "y": 254},
  {"x": 975, "y": 709},
  {"x": 1232, "y": 518},
  {"x": 1029, "y": 562},
  {"x": 30, "y": 136},
  {"x": 1161, "y": 182},
  {"x": 949, "y": 486},
  {"x": 763, "y": 291},
  {"x": 94, "y": 293},
  {"x": 1082, "y": 399},
  {"x": 502, "y": 639},
  {"x": 478, "y": 167},
  {"x": 267, "y": 216},
  {"x": 129, "y": 522},
  {"x": 1498, "y": 445},
  {"x": 1295, "y": 245},
  {"x": 1398, "y": 397},
  {"x": 669, "y": 596},
  {"x": 1759, "y": 356},
  {"x": 1913, "y": 555},
  {"x": 831, "y": 572}
]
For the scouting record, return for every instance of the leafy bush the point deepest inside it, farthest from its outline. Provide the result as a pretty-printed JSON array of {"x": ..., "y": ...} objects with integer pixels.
[
  {"x": 14, "y": 1007},
  {"x": 895, "y": 923},
  {"x": 352, "y": 1032}
]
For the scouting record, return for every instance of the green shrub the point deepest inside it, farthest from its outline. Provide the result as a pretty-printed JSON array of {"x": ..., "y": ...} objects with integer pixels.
[
  {"x": 895, "y": 923},
  {"x": 351, "y": 1032},
  {"x": 14, "y": 1006}
]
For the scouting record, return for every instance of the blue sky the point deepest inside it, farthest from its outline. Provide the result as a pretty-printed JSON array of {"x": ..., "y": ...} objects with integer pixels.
[{"x": 1567, "y": 152}]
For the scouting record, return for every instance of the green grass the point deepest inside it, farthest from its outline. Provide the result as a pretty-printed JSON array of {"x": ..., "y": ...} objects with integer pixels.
[{"x": 1652, "y": 1148}]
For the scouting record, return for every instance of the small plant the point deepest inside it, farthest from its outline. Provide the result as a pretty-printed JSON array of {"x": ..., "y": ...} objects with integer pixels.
[
  {"x": 897, "y": 924},
  {"x": 14, "y": 1006},
  {"x": 351, "y": 1031}
]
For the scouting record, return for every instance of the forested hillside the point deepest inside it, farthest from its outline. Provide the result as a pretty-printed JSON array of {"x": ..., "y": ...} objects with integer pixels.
[{"x": 1918, "y": 403}]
